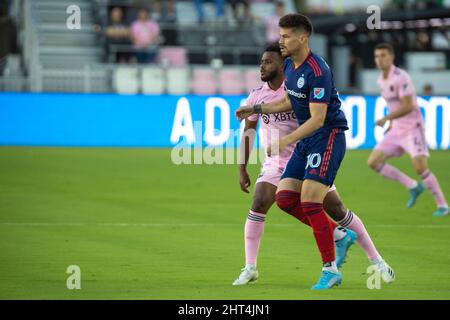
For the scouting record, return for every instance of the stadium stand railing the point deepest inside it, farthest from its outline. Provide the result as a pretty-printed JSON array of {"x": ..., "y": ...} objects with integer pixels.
[{"x": 56, "y": 59}]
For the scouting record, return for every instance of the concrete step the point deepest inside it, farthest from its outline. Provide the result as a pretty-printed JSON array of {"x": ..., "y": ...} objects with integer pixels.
[
  {"x": 54, "y": 16},
  {"x": 70, "y": 39},
  {"x": 64, "y": 60},
  {"x": 70, "y": 50},
  {"x": 62, "y": 27}
]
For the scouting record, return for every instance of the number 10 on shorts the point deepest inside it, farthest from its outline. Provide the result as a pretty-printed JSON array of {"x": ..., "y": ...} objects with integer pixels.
[{"x": 314, "y": 160}]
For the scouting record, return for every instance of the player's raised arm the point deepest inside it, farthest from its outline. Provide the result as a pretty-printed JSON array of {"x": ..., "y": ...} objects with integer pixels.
[
  {"x": 282, "y": 105},
  {"x": 248, "y": 137}
]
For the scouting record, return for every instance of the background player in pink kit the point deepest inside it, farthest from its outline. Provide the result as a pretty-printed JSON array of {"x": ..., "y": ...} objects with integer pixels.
[
  {"x": 406, "y": 132},
  {"x": 265, "y": 188}
]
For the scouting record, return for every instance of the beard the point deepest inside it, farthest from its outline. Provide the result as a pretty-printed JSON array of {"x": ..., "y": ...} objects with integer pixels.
[
  {"x": 269, "y": 77},
  {"x": 285, "y": 54}
]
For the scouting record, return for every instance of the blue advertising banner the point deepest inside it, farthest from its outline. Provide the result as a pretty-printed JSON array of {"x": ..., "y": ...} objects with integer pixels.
[{"x": 166, "y": 121}]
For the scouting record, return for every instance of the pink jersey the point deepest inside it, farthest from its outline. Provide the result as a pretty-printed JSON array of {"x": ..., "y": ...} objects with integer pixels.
[
  {"x": 284, "y": 122},
  {"x": 144, "y": 33},
  {"x": 397, "y": 85}
]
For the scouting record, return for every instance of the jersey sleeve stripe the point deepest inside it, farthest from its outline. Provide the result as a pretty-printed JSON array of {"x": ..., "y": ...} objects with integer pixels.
[
  {"x": 315, "y": 66},
  {"x": 319, "y": 71}
]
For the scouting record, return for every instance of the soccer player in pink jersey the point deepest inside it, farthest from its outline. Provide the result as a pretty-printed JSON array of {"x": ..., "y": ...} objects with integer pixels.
[
  {"x": 406, "y": 132},
  {"x": 266, "y": 185}
]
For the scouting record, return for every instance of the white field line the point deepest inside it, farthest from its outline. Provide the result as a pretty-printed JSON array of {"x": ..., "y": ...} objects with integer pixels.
[{"x": 194, "y": 225}]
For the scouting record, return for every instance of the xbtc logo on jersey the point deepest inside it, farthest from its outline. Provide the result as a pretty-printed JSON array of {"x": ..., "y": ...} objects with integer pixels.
[
  {"x": 265, "y": 118},
  {"x": 319, "y": 93},
  {"x": 278, "y": 117}
]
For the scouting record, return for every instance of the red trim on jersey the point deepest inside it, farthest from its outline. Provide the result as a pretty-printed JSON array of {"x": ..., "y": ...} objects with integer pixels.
[
  {"x": 307, "y": 57},
  {"x": 327, "y": 154},
  {"x": 313, "y": 63},
  {"x": 314, "y": 67}
]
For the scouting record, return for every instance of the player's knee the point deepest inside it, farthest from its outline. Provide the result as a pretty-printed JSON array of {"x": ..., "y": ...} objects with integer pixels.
[
  {"x": 420, "y": 167},
  {"x": 420, "y": 170},
  {"x": 287, "y": 200},
  {"x": 374, "y": 164},
  {"x": 261, "y": 204},
  {"x": 337, "y": 211}
]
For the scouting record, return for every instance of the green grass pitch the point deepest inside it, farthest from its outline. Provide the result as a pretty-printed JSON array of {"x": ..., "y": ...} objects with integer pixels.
[{"x": 140, "y": 227}]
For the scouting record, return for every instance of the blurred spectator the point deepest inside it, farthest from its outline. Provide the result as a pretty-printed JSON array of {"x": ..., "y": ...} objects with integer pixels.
[
  {"x": 157, "y": 11},
  {"x": 169, "y": 16},
  {"x": 145, "y": 37},
  {"x": 220, "y": 10},
  {"x": 422, "y": 41},
  {"x": 235, "y": 4},
  {"x": 272, "y": 30},
  {"x": 165, "y": 12},
  {"x": 427, "y": 90},
  {"x": 117, "y": 33},
  {"x": 427, "y": 4}
]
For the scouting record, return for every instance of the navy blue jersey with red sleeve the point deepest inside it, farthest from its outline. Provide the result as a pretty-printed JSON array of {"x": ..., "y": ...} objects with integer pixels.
[{"x": 312, "y": 81}]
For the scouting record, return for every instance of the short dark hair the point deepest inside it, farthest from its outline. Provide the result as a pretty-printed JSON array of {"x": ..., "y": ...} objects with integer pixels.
[
  {"x": 297, "y": 21},
  {"x": 386, "y": 46},
  {"x": 274, "y": 47}
]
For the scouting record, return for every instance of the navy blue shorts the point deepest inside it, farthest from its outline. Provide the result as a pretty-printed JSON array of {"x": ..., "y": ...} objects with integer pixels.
[{"x": 317, "y": 157}]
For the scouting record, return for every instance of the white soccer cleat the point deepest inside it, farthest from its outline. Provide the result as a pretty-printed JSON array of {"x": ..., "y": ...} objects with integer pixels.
[
  {"x": 247, "y": 275},
  {"x": 386, "y": 272}
]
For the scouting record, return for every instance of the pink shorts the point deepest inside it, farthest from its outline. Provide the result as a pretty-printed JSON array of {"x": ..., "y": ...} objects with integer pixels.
[
  {"x": 398, "y": 141},
  {"x": 271, "y": 173}
]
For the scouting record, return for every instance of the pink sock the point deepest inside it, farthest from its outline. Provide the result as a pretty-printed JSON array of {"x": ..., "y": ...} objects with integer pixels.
[
  {"x": 352, "y": 222},
  {"x": 430, "y": 181},
  {"x": 254, "y": 228},
  {"x": 393, "y": 173}
]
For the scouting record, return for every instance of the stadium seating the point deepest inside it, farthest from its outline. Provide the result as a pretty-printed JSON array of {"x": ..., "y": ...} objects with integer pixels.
[
  {"x": 178, "y": 81},
  {"x": 418, "y": 61},
  {"x": 231, "y": 81},
  {"x": 204, "y": 81},
  {"x": 75, "y": 60},
  {"x": 126, "y": 80},
  {"x": 175, "y": 56},
  {"x": 153, "y": 80}
]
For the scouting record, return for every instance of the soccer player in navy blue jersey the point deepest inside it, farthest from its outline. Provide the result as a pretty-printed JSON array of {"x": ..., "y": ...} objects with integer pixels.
[{"x": 320, "y": 138}]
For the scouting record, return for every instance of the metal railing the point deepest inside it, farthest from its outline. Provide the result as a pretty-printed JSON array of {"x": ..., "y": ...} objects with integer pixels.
[{"x": 31, "y": 47}]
